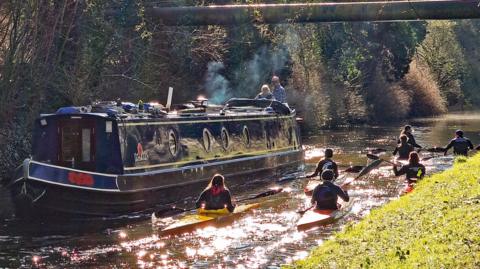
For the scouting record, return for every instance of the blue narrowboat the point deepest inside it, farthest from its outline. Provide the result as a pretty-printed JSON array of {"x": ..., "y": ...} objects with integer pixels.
[{"x": 115, "y": 158}]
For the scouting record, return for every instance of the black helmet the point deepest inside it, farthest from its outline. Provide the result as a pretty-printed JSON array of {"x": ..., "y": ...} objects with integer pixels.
[
  {"x": 327, "y": 175},
  {"x": 218, "y": 180},
  {"x": 328, "y": 153},
  {"x": 459, "y": 133}
]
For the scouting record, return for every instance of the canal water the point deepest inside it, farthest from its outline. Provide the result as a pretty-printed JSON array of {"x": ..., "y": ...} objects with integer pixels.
[{"x": 265, "y": 238}]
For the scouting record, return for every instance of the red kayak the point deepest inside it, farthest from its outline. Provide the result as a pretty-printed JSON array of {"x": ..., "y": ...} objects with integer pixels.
[{"x": 409, "y": 187}]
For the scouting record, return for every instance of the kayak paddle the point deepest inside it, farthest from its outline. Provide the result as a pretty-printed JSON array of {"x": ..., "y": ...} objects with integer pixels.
[
  {"x": 375, "y": 157},
  {"x": 263, "y": 194},
  {"x": 354, "y": 169},
  {"x": 177, "y": 210},
  {"x": 301, "y": 212},
  {"x": 376, "y": 151},
  {"x": 350, "y": 169},
  {"x": 436, "y": 150}
]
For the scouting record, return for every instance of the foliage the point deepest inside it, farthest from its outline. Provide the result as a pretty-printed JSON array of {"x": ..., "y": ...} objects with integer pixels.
[
  {"x": 468, "y": 34},
  {"x": 425, "y": 96},
  {"x": 60, "y": 53},
  {"x": 443, "y": 55},
  {"x": 436, "y": 226}
]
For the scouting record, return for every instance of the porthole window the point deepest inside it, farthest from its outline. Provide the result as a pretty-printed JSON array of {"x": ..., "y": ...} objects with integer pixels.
[
  {"x": 225, "y": 138},
  {"x": 207, "y": 140},
  {"x": 246, "y": 136},
  {"x": 172, "y": 143}
]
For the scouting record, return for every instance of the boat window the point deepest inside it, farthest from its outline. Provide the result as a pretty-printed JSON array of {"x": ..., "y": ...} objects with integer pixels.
[
  {"x": 246, "y": 136},
  {"x": 207, "y": 140},
  {"x": 172, "y": 143},
  {"x": 290, "y": 135},
  {"x": 86, "y": 136},
  {"x": 69, "y": 139},
  {"x": 268, "y": 140},
  {"x": 294, "y": 137},
  {"x": 225, "y": 138}
]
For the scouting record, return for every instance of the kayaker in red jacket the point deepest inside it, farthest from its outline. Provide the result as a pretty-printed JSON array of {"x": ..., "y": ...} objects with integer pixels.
[
  {"x": 325, "y": 194},
  {"x": 216, "y": 195},
  {"x": 326, "y": 163},
  {"x": 413, "y": 171}
]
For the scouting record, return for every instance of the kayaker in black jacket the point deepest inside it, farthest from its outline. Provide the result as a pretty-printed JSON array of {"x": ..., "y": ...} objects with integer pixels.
[
  {"x": 414, "y": 170},
  {"x": 403, "y": 149},
  {"x": 460, "y": 144},
  {"x": 407, "y": 130},
  {"x": 325, "y": 194},
  {"x": 326, "y": 163},
  {"x": 216, "y": 195}
]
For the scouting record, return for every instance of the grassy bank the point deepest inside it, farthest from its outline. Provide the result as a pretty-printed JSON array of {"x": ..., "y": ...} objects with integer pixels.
[{"x": 436, "y": 226}]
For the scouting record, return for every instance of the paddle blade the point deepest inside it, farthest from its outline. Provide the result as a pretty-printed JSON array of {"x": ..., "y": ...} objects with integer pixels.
[
  {"x": 372, "y": 156},
  {"x": 377, "y": 151},
  {"x": 369, "y": 168},
  {"x": 267, "y": 193},
  {"x": 167, "y": 212},
  {"x": 354, "y": 169},
  {"x": 436, "y": 149},
  {"x": 427, "y": 158},
  {"x": 263, "y": 194},
  {"x": 301, "y": 212}
]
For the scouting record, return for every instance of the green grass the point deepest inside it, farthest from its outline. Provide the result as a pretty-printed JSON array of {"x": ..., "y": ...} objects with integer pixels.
[{"x": 436, "y": 226}]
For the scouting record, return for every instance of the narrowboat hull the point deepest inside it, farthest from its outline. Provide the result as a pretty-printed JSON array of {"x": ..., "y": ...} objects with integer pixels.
[
  {"x": 43, "y": 190},
  {"x": 111, "y": 160}
]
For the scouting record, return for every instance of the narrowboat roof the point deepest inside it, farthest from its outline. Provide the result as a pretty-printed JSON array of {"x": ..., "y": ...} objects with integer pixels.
[{"x": 126, "y": 111}]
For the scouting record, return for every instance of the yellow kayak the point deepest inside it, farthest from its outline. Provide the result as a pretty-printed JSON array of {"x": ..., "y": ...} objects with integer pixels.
[
  {"x": 314, "y": 218},
  {"x": 204, "y": 218}
]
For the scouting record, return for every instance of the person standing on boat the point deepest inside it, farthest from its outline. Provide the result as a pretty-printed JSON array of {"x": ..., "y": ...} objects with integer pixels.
[
  {"x": 403, "y": 149},
  {"x": 324, "y": 164},
  {"x": 407, "y": 130},
  {"x": 278, "y": 91},
  {"x": 460, "y": 144},
  {"x": 216, "y": 195},
  {"x": 413, "y": 171},
  {"x": 325, "y": 194},
  {"x": 265, "y": 93}
]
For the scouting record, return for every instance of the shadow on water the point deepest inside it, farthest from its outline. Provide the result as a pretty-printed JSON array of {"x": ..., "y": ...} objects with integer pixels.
[{"x": 265, "y": 238}]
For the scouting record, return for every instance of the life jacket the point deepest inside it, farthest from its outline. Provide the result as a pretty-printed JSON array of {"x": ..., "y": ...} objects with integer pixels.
[
  {"x": 414, "y": 171},
  {"x": 327, "y": 165},
  {"x": 404, "y": 151},
  {"x": 460, "y": 145},
  {"x": 325, "y": 197}
]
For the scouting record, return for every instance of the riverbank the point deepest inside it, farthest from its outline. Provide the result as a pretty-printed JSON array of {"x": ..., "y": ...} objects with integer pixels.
[{"x": 436, "y": 226}]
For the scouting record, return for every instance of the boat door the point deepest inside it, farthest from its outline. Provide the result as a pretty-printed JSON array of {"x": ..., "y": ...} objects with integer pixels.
[{"x": 77, "y": 143}]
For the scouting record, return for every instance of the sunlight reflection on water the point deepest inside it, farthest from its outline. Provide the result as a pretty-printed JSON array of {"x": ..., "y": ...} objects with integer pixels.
[{"x": 264, "y": 238}]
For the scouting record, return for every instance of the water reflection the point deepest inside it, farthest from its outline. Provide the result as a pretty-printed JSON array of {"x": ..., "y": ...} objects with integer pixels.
[{"x": 264, "y": 238}]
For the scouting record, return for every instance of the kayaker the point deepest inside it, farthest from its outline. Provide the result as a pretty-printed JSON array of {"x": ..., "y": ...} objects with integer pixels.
[
  {"x": 216, "y": 195},
  {"x": 413, "y": 171},
  {"x": 460, "y": 144},
  {"x": 326, "y": 163},
  {"x": 403, "y": 149},
  {"x": 325, "y": 194},
  {"x": 407, "y": 130}
]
